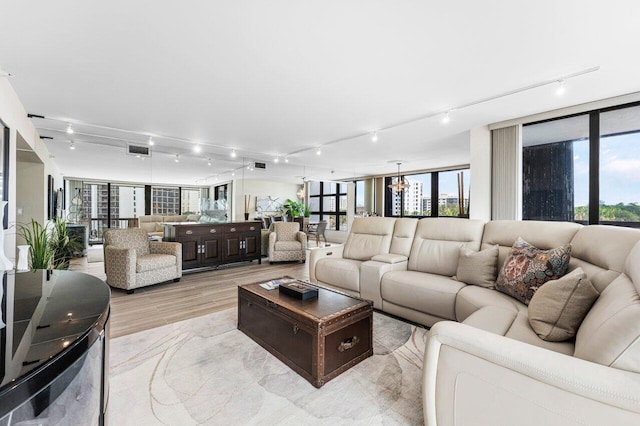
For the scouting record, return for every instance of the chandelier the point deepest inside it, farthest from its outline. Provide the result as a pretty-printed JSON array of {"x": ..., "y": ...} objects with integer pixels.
[{"x": 401, "y": 183}]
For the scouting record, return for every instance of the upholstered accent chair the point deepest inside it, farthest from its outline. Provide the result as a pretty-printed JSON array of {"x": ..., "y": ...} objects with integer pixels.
[
  {"x": 287, "y": 242},
  {"x": 132, "y": 261}
]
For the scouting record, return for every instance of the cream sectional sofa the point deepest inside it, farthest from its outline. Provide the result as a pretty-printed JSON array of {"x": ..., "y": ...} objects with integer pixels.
[
  {"x": 152, "y": 224},
  {"x": 486, "y": 365}
]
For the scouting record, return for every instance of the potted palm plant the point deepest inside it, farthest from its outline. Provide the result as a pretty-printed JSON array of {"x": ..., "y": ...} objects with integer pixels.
[{"x": 50, "y": 248}]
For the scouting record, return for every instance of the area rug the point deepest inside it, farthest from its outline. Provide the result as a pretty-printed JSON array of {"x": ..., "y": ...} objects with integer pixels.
[{"x": 203, "y": 371}]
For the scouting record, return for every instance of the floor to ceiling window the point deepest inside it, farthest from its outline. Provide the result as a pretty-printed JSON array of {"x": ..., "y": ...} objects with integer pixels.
[
  {"x": 328, "y": 201},
  {"x": 584, "y": 168},
  {"x": 450, "y": 188}
]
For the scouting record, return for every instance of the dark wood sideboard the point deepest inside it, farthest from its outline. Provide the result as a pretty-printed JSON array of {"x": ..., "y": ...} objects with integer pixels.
[{"x": 207, "y": 245}]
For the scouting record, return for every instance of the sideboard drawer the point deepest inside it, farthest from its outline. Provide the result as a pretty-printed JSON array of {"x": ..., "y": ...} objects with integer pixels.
[{"x": 242, "y": 227}]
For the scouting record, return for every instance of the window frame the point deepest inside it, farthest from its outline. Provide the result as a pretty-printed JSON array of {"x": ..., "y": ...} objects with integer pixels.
[
  {"x": 325, "y": 214},
  {"x": 594, "y": 160}
]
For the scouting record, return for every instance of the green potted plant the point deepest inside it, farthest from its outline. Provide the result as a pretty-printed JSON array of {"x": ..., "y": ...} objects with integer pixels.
[
  {"x": 50, "y": 248},
  {"x": 292, "y": 208}
]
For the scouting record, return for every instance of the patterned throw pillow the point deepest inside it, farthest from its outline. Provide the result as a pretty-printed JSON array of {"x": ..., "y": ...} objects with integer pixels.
[{"x": 527, "y": 268}]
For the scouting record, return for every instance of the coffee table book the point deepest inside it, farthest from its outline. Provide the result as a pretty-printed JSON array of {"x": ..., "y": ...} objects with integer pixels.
[{"x": 318, "y": 338}]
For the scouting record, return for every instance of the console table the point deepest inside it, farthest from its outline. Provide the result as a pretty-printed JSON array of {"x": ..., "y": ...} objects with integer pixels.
[
  {"x": 53, "y": 348},
  {"x": 212, "y": 244}
]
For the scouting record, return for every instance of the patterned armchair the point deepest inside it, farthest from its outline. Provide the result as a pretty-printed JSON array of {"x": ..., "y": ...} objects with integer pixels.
[
  {"x": 132, "y": 261},
  {"x": 287, "y": 242}
]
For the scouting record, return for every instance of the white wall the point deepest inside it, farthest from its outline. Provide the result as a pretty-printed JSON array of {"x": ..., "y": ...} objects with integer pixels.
[
  {"x": 261, "y": 189},
  {"x": 480, "y": 165},
  {"x": 13, "y": 114}
]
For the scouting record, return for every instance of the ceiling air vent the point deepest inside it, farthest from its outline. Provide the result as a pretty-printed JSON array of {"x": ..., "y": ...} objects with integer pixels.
[
  {"x": 259, "y": 165},
  {"x": 138, "y": 150}
]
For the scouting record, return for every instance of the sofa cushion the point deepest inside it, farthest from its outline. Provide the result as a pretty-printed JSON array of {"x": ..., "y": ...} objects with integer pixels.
[
  {"x": 158, "y": 227},
  {"x": 424, "y": 292},
  {"x": 558, "y": 307},
  {"x": 369, "y": 236},
  {"x": 288, "y": 245},
  {"x": 152, "y": 262},
  {"x": 403, "y": 232},
  {"x": 131, "y": 238},
  {"x": 148, "y": 226},
  {"x": 601, "y": 250},
  {"x": 472, "y": 298},
  {"x": 286, "y": 231},
  {"x": 527, "y": 268},
  {"x": 342, "y": 273},
  {"x": 437, "y": 243},
  {"x": 514, "y": 325},
  {"x": 609, "y": 334},
  {"x": 478, "y": 267},
  {"x": 192, "y": 218},
  {"x": 542, "y": 234}
]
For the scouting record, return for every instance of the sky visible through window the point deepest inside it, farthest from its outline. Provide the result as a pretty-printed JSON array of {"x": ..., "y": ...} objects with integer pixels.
[{"x": 619, "y": 170}]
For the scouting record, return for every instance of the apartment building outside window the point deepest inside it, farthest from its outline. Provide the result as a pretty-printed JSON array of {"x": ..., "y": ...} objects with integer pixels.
[{"x": 416, "y": 200}]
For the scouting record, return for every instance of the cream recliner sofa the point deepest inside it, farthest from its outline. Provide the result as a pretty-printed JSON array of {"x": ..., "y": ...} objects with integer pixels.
[
  {"x": 487, "y": 366},
  {"x": 152, "y": 224}
]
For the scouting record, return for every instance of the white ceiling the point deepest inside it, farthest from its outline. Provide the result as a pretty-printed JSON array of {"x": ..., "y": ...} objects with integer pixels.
[{"x": 271, "y": 78}]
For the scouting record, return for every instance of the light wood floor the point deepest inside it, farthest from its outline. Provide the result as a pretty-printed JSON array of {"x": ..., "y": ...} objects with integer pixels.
[{"x": 196, "y": 294}]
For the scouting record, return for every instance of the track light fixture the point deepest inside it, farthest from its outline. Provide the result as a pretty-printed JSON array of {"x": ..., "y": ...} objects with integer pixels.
[
  {"x": 319, "y": 151},
  {"x": 208, "y": 161},
  {"x": 374, "y": 137},
  {"x": 276, "y": 160},
  {"x": 151, "y": 142},
  {"x": 446, "y": 118},
  {"x": 561, "y": 88},
  {"x": 177, "y": 159},
  {"x": 234, "y": 154},
  {"x": 69, "y": 129},
  {"x": 286, "y": 159},
  {"x": 72, "y": 146},
  {"x": 197, "y": 149}
]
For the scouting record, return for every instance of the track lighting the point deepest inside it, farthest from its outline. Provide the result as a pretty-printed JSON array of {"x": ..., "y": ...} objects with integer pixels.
[
  {"x": 561, "y": 88},
  {"x": 233, "y": 173},
  {"x": 286, "y": 159},
  {"x": 233, "y": 153},
  {"x": 151, "y": 142},
  {"x": 319, "y": 151},
  {"x": 72, "y": 146},
  {"x": 446, "y": 118},
  {"x": 197, "y": 149},
  {"x": 374, "y": 137},
  {"x": 69, "y": 129},
  {"x": 208, "y": 161},
  {"x": 276, "y": 160},
  {"x": 177, "y": 160}
]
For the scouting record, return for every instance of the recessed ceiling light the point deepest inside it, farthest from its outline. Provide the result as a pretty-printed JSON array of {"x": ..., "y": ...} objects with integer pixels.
[
  {"x": 69, "y": 129},
  {"x": 233, "y": 153}
]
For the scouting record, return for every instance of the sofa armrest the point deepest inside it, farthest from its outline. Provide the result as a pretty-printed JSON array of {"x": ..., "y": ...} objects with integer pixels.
[
  {"x": 390, "y": 258},
  {"x": 174, "y": 249},
  {"x": 471, "y": 376},
  {"x": 318, "y": 253},
  {"x": 302, "y": 237},
  {"x": 272, "y": 244},
  {"x": 371, "y": 273},
  {"x": 120, "y": 266}
]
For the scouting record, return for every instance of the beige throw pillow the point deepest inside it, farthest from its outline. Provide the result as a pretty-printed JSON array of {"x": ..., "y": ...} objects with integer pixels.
[
  {"x": 557, "y": 309},
  {"x": 478, "y": 267}
]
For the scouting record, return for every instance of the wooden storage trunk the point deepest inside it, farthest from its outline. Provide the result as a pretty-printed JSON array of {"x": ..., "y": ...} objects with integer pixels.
[{"x": 318, "y": 338}]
